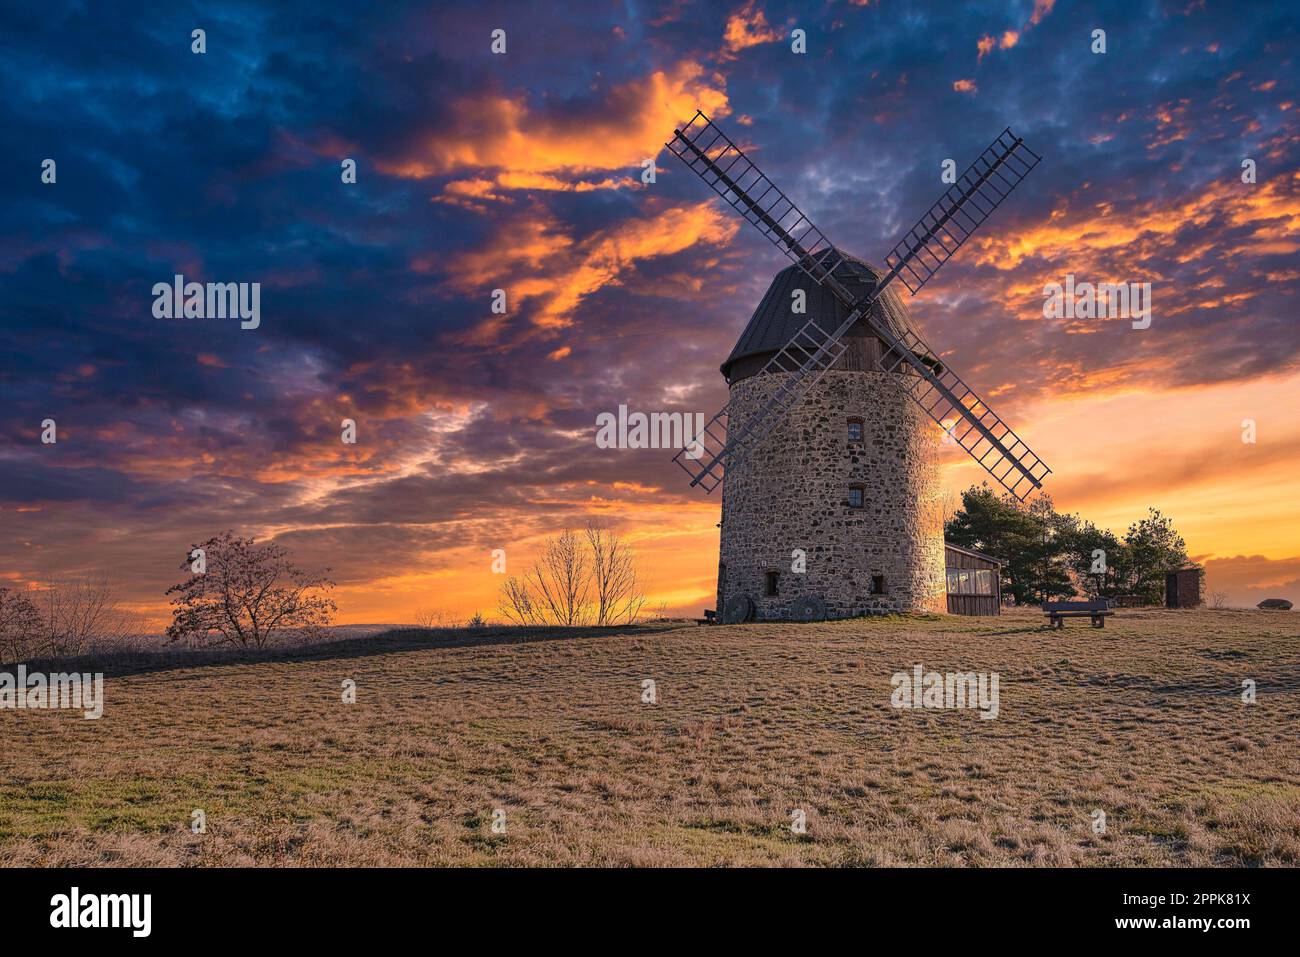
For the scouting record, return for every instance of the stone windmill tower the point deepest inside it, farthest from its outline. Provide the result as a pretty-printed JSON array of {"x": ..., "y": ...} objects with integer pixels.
[{"x": 829, "y": 439}]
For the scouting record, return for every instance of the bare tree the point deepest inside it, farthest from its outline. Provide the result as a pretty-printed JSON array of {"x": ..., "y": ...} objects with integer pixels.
[
  {"x": 1218, "y": 599},
  {"x": 21, "y": 628},
  {"x": 248, "y": 595},
  {"x": 516, "y": 603},
  {"x": 561, "y": 579},
  {"x": 81, "y": 614},
  {"x": 577, "y": 580},
  {"x": 613, "y": 572},
  {"x": 434, "y": 618},
  {"x": 950, "y": 504}
]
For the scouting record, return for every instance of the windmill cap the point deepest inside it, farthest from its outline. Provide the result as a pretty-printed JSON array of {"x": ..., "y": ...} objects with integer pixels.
[{"x": 774, "y": 323}]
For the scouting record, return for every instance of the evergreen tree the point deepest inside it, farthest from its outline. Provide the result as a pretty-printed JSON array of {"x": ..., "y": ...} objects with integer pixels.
[
  {"x": 1153, "y": 547},
  {"x": 1096, "y": 558},
  {"x": 1048, "y": 555}
]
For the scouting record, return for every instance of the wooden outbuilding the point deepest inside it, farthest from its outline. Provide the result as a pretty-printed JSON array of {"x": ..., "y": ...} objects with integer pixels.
[
  {"x": 1183, "y": 588},
  {"x": 974, "y": 582}
]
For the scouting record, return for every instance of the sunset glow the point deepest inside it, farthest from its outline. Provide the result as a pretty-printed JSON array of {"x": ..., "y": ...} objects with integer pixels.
[{"x": 526, "y": 173}]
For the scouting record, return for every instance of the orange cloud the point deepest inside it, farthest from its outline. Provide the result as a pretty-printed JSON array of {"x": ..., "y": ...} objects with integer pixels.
[
  {"x": 510, "y": 146},
  {"x": 965, "y": 86},
  {"x": 470, "y": 193},
  {"x": 1171, "y": 124},
  {"x": 534, "y": 261},
  {"x": 1271, "y": 210},
  {"x": 1010, "y": 38},
  {"x": 529, "y": 245},
  {"x": 748, "y": 27},
  {"x": 986, "y": 43}
]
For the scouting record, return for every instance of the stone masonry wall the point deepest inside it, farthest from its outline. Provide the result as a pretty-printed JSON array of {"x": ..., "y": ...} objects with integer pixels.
[{"x": 792, "y": 492}]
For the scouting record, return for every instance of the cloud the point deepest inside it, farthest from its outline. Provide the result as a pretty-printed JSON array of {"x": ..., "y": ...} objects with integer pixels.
[
  {"x": 521, "y": 148},
  {"x": 534, "y": 262},
  {"x": 986, "y": 43},
  {"x": 748, "y": 27},
  {"x": 1246, "y": 580},
  {"x": 1009, "y": 38}
]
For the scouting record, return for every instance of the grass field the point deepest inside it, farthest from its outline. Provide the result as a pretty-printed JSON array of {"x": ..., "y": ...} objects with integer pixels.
[{"x": 1143, "y": 721}]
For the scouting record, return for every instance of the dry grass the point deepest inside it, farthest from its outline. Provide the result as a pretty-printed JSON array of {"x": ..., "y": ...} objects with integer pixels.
[{"x": 1143, "y": 720}]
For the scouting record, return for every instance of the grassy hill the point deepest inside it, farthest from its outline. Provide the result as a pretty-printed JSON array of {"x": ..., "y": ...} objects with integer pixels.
[{"x": 1143, "y": 721}]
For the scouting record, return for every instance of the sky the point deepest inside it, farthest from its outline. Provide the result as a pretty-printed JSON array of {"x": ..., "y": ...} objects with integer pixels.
[{"x": 522, "y": 171}]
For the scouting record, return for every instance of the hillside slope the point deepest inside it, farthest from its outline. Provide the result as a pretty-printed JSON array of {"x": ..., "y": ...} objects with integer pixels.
[{"x": 1143, "y": 721}]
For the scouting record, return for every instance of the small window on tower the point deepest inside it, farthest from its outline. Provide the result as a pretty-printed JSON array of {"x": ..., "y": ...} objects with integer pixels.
[
  {"x": 855, "y": 430},
  {"x": 857, "y": 496},
  {"x": 773, "y": 579},
  {"x": 877, "y": 584}
]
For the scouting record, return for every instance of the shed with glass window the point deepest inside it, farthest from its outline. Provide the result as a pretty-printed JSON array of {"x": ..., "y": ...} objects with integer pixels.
[{"x": 974, "y": 582}]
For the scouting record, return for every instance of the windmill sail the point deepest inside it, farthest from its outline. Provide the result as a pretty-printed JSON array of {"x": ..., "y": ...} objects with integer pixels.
[
  {"x": 712, "y": 156},
  {"x": 967, "y": 419},
  {"x": 947, "y": 225},
  {"x": 812, "y": 351}
]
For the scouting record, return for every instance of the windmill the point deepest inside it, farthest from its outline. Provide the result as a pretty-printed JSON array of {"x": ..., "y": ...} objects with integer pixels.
[{"x": 858, "y": 327}]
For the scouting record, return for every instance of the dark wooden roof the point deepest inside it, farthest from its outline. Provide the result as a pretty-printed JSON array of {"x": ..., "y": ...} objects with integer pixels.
[
  {"x": 774, "y": 323},
  {"x": 974, "y": 554}
]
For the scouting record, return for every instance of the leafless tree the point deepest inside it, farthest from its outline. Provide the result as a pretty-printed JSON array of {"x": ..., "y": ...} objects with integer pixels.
[
  {"x": 1218, "y": 599},
  {"x": 613, "y": 573},
  {"x": 560, "y": 581},
  {"x": 81, "y": 614},
  {"x": 516, "y": 603},
  {"x": 21, "y": 628},
  {"x": 577, "y": 580},
  {"x": 248, "y": 595},
  {"x": 434, "y": 618},
  {"x": 950, "y": 504}
]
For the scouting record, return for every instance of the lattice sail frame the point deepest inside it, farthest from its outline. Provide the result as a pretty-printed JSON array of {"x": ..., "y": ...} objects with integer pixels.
[{"x": 915, "y": 259}]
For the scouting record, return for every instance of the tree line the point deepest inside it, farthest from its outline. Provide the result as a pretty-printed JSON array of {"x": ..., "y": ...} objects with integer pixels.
[
  {"x": 63, "y": 617},
  {"x": 242, "y": 593},
  {"x": 1050, "y": 555}
]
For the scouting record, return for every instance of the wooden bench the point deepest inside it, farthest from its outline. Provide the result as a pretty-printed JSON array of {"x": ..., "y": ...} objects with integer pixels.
[
  {"x": 1058, "y": 611},
  {"x": 710, "y": 617}
]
